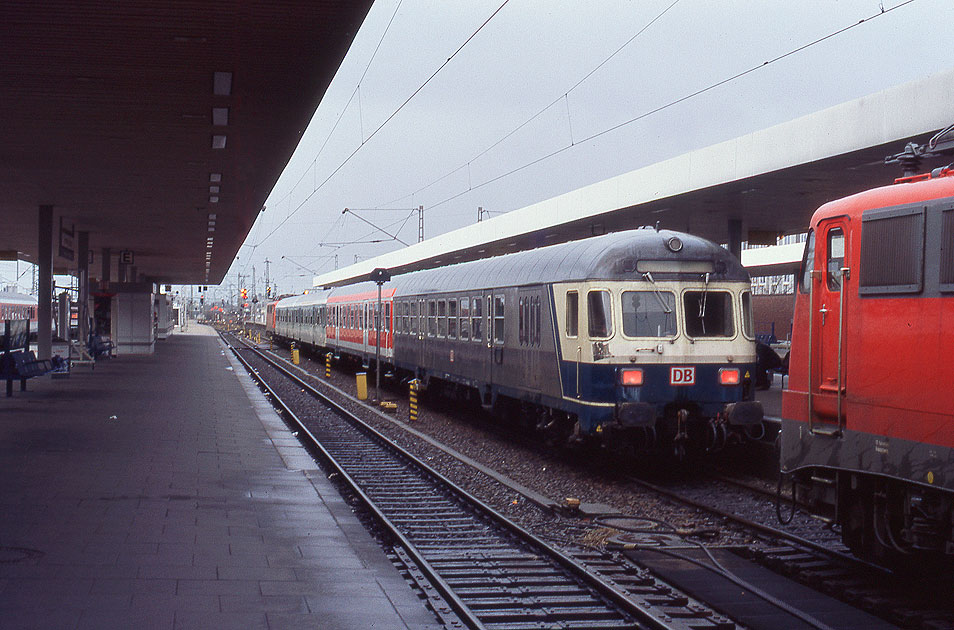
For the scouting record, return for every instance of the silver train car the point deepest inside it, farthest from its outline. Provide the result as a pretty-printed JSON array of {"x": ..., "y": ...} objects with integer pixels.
[{"x": 642, "y": 340}]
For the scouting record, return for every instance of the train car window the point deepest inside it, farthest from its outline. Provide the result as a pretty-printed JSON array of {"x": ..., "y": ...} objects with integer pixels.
[
  {"x": 836, "y": 258},
  {"x": 748, "y": 325},
  {"x": 708, "y": 314},
  {"x": 441, "y": 318},
  {"x": 892, "y": 251},
  {"x": 536, "y": 320},
  {"x": 808, "y": 263},
  {"x": 432, "y": 318},
  {"x": 476, "y": 320},
  {"x": 572, "y": 314},
  {"x": 414, "y": 318},
  {"x": 464, "y": 318},
  {"x": 452, "y": 319},
  {"x": 599, "y": 311},
  {"x": 387, "y": 316},
  {"x": 499, "y": 318},
  {"x": 649, "y": 314},
  {"x": 522, "y": 323}
]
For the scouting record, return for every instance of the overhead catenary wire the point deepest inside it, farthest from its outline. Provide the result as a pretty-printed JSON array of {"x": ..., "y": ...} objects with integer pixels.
[
  {"x": 386, "y": 121},
  {"x": 666, "y": 106}
]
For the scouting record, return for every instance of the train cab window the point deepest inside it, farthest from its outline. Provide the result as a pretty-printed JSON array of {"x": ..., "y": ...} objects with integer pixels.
[
  {"x": 572, "y": 314},
  {"x": 748, "y": 325},
  {"x": 599, "y": 314},
  {"x": 432, "y": 318},
  {"x": 452, "y": 319},
  {"x": 808, "y": 263},
  {"x": 465, "y": 318},
  {"x": 499, "y": 318},
  {"x": 649, "y": 314},
  {"x": 477, "y": 319},
  {"x": 836, "y": 258},
  {"x": 708, "y": 314}
]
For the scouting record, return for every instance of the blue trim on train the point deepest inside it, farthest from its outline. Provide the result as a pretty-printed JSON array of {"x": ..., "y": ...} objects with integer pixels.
[{"x": 600, "y": 383}]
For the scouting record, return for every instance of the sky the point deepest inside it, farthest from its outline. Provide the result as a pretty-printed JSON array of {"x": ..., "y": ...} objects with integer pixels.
[{"x": 458, "y": 105}]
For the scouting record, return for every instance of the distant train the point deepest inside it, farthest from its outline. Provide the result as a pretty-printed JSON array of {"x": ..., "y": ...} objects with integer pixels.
[
  {"x": 640, "y": 339},
  {"x": 868, "y": 418},
  {"x": 15, "y": 305}
]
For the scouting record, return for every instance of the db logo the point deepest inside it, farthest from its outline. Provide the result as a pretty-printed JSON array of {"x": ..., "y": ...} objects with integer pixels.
[{"x": 682, "y": 376}]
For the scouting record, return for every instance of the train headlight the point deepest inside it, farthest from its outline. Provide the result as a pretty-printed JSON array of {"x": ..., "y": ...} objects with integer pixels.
[
  {"x": 631, "y": 377},
  {"x": 729, "y": 376}
]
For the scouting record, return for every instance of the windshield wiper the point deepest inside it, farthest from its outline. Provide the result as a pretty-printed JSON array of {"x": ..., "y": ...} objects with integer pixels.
[
  {"x": 702, "y": 304},
  {"x": 662, "y": 302}
]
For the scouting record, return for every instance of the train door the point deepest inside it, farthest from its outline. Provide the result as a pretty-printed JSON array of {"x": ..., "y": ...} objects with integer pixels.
[
  {"x": 830, "y": 281},
  {"x": 496, "y": 335}
]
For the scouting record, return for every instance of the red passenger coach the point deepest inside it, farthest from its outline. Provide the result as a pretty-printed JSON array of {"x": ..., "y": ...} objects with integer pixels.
[{"x": 868, "y": 419}]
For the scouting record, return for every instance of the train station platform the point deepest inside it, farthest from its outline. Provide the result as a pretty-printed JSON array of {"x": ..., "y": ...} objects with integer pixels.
[{"x": 164, "y": 492}]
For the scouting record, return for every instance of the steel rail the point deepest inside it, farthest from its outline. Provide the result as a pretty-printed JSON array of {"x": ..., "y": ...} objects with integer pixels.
[{"x": 590, "y": 578}]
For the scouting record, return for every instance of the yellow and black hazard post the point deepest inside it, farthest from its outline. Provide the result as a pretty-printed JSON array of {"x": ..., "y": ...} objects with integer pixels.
[
  {"x": 412, "y": 413},
  {"x": 328, "y": 365},
  {"x": 294, "y": 353}
]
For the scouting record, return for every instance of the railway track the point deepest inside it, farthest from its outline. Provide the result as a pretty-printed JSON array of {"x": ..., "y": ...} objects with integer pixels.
[
  {"x": 822, "y": 565},
  {"x": 477, "y": 568}
]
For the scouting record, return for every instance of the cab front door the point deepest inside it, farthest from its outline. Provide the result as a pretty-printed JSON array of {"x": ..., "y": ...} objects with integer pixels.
[{"x": 830, "y": 282}]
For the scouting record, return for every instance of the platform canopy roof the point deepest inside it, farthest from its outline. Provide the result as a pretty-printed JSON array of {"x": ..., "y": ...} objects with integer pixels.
[
  {"x": 144, "y": 121},
  {"x": 767, "y": 183}
]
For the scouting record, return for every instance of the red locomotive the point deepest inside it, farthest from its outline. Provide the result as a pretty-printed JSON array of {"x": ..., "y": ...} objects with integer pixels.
[{"x": 868, "y": 416}]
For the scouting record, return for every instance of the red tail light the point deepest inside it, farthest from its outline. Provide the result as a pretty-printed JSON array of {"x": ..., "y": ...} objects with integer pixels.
[
  {"x": 729, "y": 376},
  {"x": 631, "y": 377}
]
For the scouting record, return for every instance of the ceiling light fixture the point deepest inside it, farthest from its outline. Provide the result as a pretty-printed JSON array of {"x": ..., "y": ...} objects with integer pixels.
[
  {"x": 214, "y": 199},
  {"x": 215, "y": 177},
  {"x": 211, "y": 216},
  {"x": 218, "y": 141},
  {"x": 213, "y": 189}
]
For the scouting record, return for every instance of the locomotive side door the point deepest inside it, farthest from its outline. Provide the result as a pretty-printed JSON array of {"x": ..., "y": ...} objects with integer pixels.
[{"x": 830, "y": 281}]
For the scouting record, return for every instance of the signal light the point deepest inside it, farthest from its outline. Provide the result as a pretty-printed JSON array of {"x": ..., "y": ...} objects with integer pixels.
[
  {"x": 631, "y": 378},
  {"x": 729, "y": 376}
]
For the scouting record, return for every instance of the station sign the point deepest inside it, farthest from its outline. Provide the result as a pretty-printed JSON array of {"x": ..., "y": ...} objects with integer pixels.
[{"x": 126, "y": 257}]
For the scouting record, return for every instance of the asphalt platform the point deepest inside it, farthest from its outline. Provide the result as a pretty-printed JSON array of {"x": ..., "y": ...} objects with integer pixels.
[{"x": 164, "y": 492}]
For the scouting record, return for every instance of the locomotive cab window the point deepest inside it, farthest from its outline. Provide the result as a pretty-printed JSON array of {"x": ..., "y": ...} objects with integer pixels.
[
  {"x": 599, "y": 313},
  {"x": 708, "y": 314},
  {"x": 836, "y": 258},
  {"x": 808, "y": 263},
  {"x": 748, "y": 325},
  {"x": 649, "y": 314},
  {"x": 572, "y": 314}
]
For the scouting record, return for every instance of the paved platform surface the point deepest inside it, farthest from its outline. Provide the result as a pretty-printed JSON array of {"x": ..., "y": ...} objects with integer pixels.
[{"x": 164, "y": 492}]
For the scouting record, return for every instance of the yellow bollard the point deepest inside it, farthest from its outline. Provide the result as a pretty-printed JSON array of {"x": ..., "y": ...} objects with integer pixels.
[
  {"x": 295, "y": 356},
  {"x": 361, "y": 379},
  {"x": 328, "y": 365},
  {"x": 412, "y": 402}
]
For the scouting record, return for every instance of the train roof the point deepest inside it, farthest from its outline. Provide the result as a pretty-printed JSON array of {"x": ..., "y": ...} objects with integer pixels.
[
  {"x": 911, "y": 190},
  {"x": 313, "y": 298},
  {"x": 12, "y": 297},
  {"x": 614, "y": 256}
]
